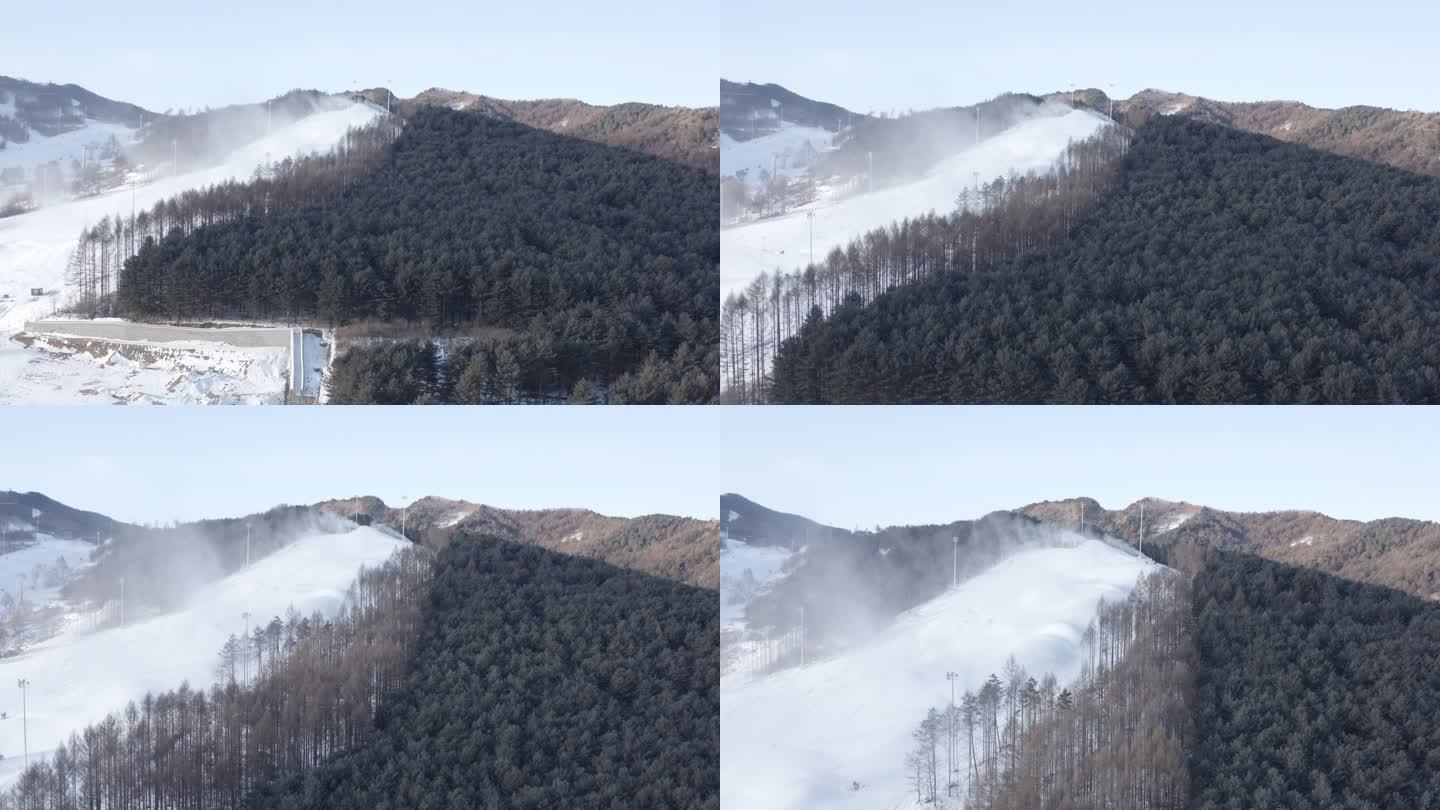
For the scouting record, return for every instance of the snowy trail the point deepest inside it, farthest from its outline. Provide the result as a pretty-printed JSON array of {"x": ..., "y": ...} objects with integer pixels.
[
  {"x": 798, "y": 739},
  {"x": 78, "y": 676},
  {"x": 784, "y": 242}
]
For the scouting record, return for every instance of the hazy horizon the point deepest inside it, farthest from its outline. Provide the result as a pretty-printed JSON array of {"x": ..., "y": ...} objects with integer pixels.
[
  {"x": 863, "y": 466},
  {"x": 178, "y": 55},
  {"x": 932, "y": 54},
  {"x": 157, "y": 465}
]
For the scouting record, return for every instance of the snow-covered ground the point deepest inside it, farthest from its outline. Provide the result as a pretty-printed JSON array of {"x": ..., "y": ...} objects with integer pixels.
[
  {"x": 782, "y": 152},
  {"x": 35, "y": 247},
  {"x": 79, "y": 676},
  {"x": 55, "y": 371},
  {"x": 799, "y": 738},
  {"x": 784, "y": 242}
]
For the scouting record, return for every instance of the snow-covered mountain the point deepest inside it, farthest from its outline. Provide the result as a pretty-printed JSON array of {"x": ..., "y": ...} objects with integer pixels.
[
  {"x": 35, "y": 248},
  {"x": 83, "y": 660},
  {"x": 835, "y": 218},
  {"x": 810, "y": 736},
  {"x": 64, "y": 125}
]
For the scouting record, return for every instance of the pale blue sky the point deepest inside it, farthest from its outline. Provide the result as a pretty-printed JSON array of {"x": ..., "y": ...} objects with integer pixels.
[
  {"x": 177, "y": 53},
  {"x": 864, "y": 466},
  {"x": 940, "y": 52},
  {"x": 161, "y": 464}
]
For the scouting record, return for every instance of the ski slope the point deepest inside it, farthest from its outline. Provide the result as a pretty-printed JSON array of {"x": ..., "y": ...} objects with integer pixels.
[
  {"x": 79, "y": 676},
  {"x": 34, "y": 250},
  {"x": 784, "y": 242},
  {"x": 799, "y": 738}
]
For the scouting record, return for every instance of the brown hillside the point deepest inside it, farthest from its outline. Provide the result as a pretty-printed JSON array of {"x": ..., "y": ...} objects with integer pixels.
[
  {"x": 655, "y": 544},
  {"x": 1403, "y": 139},
  {"x": 688, "y": 135},
  {"x": 1396, "y": 552}
]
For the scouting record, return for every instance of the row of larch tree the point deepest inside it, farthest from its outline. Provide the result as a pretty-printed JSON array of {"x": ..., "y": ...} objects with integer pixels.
[{"x": 1114, "y": 739}]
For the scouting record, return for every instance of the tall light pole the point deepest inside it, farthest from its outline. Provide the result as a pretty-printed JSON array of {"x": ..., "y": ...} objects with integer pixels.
[
  {"x": 810, "y": 215},
  {"x": 950, "y": 748},
  {"x": 1142, "y": 528},
  {"x": 802, "y": 636},
  {"x": 24, "y": 685},
  {"x": 245, "y": 649}
]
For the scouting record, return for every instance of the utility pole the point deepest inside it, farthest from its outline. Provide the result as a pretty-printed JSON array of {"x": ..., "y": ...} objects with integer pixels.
[{"x": 24, "y": 685}]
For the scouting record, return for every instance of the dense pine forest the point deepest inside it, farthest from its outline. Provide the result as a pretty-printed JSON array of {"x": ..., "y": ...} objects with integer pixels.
[
  {"x": 298, "y": 691},
  {"x": 1222, "y": 266},
  {"x": 1116, "y": 737},
  {"x": 587, "y": 262},
  {"x": 540, "y": 680},
  {"x": 1313, "y": 691}
]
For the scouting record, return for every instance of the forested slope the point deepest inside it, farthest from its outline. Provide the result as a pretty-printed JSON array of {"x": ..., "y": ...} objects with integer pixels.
[
  {"x": 578, "y": 261},
  {"x": 1222, "y": 266},
  {"x": 541, "y": 680}
]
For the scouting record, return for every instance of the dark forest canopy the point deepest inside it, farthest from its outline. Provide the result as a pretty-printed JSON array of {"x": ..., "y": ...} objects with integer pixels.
[
  {"x": 541, "y": 680},
  {"x": 1221, "y": 267},
  {"x": 605, "y": 256}
]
